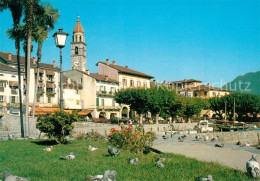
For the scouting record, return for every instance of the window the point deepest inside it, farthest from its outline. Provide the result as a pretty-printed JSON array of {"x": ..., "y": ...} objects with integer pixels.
[
  {"x": 205, "y": 93},
  {"x": 102, "y": 102},
  {"x": 124, "y": 82},
  {"x": 38, "y": 98},
  {"x": 1, "y": 99},
  {"x": 97, "y": 101},
  {"x": 102, "y": 88},
  {"x": 138, "y": 84},
  {"x": 49, "y": 99},
  {"x": 76, "y": 50},
  {"x": 195, "y": 94},
  {"x": 131, "y": 83},
  {"x": 2, "y": 84},
  {"x": 80, "y": 38},
  {"x": 1, "y": 74},
  {"x": 145, "y": 85},
  {"x": 214, "y": 93},
  {"x": 113, "y": 103},
  {"x": 50, "y": 90},
  {"x": 112, "y": 89},
  {"x": 77, "y": 102},
  {"x": 13, "y": 76},
  {"x": 50, "y": 78},
  {"x": 12, "y": 99}
]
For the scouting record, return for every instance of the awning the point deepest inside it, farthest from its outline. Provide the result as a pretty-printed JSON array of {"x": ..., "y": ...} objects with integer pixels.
[
  {"x": 48, "y": 72},
  {"x": 13, "y": 83},
  {"x": 40, "y": 84},
  {"x": 40, "y": 71},
  {"x": 50, "y": 85},
  {"x": 48, "y": 110},
  {"x": 85, "y": 112},
  {"x": 45, "y": 110}
]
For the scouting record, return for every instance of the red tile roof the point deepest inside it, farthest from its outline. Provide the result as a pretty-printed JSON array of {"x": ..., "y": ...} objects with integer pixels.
[
  {"x": 185, "y": 81},
  {"x": 99, "y": 77},
  {"x": 102, "y": 78},
  {"x": 13, "y": 60},
  {"x": 78, "y": 27},
  {"x": 206, "y": 88},
  {"x": 7, "y": 68},
  {"x": 127, "y": 70}
]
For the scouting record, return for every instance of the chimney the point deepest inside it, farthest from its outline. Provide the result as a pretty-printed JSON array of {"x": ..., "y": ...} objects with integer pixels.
[
  {"x": 54, "y": 64},
  {"x": 9, "y": 56},
  {"x": 114, "y": 62},
  {"x": 88, "y": 72},
  {"x": 107, "y": 61},
  {"x": 126, "y": 67},
  {"x": 106, "y": 77},
  {"x": 34, "y": 60}
]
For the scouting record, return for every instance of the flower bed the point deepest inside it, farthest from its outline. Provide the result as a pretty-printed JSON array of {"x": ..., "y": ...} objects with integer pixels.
[{"x": 132, "y": 139}]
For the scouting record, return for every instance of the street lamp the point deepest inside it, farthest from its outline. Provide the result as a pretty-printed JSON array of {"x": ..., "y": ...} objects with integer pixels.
[{"x": 60, "y": 40}]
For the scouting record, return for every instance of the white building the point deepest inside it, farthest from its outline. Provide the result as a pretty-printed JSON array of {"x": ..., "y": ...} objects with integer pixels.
[{"x": 9, "y": 85}]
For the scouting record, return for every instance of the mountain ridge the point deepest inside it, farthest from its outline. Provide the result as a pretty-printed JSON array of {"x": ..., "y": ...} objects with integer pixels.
[{"x": 249, "y": 82}]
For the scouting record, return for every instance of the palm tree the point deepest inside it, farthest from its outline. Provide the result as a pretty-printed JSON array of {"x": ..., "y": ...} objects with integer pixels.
[
  {"x": 16, "y": 7},
  {"x": 44, "y": 24}
]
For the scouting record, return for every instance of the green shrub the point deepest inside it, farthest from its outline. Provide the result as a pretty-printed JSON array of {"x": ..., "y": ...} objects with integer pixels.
[
  {"x": 57, "y": 125},
  {"x": 132, "y": 139}
]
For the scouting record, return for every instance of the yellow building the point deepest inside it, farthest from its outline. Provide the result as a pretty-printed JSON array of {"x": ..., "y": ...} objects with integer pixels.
[{"x": 127, "y": 77}]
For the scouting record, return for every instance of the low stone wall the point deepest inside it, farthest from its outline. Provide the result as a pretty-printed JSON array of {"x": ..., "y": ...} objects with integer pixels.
[
  {"x": 252, "y": 137},
  {"x": 84, "y": 127},
  {"x": 10, "y": 124}
]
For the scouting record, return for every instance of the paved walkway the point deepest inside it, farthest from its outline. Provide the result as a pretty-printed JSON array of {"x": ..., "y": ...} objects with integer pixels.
[{"x": 231, "y": 155}]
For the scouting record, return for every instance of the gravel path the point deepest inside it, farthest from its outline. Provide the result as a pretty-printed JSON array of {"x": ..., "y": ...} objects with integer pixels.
[{"x": 231, "y": 155}]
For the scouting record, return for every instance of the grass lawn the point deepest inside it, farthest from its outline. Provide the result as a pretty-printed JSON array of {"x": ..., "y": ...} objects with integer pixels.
[{"x": 26, "y": 158}]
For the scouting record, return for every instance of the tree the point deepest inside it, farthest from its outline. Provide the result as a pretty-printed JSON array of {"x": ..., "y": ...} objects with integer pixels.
[
  {"x": 16, "y": 7},
  {"x": 57, "y": 125},
  {"x": 44, "y": 24},
  {"x": 244, "y": 103},
  {"x": 176, "y": 106},
  {"x": 217, "y": 105},
  {"x": 193, "y": 106},
  {"x": 158, "y": 100},
  {"x": 136, "y": 98},
  {"x": 164, "y": 102}
]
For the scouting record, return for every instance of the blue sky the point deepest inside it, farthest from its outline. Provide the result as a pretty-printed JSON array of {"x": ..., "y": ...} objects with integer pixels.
[{"x": 209, "y": 40}]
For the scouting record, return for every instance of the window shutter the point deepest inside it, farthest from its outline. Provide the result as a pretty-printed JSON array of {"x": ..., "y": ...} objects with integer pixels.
[{"x": 97, "y": 101}]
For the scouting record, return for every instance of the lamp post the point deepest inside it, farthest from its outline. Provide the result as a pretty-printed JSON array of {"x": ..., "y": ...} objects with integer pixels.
[{"x": 60, "y": 40}]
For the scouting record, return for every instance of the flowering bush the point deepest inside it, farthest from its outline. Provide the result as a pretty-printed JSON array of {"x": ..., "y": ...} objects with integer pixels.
[
  {"x": 130, "y": 138},
  {"x": 94, "y": 136}
]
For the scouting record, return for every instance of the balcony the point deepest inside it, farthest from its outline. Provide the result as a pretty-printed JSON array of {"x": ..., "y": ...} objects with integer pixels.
[
  {"x": 108, "y": 107},
  {"x": 14, "y": 91},
  {"x": 2, "y": 89},
  {"x": 51, "y": 80},
  {"x": 105, "y": 93},
  {"x": 50, "y": 93},
  {"x": 40, "y": 92}
]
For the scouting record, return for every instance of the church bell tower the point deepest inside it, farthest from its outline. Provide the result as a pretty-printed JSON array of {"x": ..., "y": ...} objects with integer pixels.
[{"x": 78, "y": 48}]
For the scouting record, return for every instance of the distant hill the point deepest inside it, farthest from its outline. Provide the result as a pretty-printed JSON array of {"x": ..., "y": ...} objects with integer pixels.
[{"x": 249, "y": 82}]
